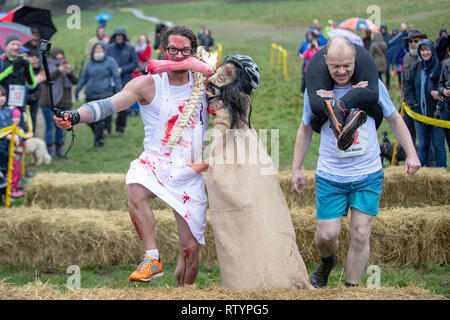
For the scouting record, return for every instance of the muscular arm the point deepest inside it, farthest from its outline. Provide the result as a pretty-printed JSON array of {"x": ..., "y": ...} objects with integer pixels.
[{"x": 141, "y": 88}]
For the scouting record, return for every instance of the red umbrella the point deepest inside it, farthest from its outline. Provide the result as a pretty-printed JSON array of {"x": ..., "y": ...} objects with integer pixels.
[
  {"x": 38, "y": 18},
  {"x": 23, "y": 32},
  {"x": 358, "y": 24}
]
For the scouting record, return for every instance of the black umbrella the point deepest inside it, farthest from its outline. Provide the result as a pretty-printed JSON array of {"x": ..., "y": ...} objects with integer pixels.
[{"x": 40, "y": 19}]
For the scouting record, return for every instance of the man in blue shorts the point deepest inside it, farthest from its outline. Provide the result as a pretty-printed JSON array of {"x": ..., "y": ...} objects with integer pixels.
[{"x": 349, "y": 178}]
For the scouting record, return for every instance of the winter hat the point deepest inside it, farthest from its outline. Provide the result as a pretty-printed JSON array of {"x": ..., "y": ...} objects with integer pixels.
[
  {"x": 16, "y": 113},
  {"x": 11, "y": 37}
]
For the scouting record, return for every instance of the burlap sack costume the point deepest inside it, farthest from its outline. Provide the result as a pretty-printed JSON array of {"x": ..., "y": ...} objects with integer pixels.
[{"x": 255, "y": 240}]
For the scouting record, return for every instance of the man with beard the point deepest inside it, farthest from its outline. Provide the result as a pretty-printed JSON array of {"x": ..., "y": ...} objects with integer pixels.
[
  {"x": 413, "y": 38},
  {"x": 161, "y": 170}
]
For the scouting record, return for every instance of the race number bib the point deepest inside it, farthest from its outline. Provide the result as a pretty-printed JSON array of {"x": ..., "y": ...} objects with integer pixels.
[
  {"x": 359, "y": 146},
  {"x": 16, "y": 95}
]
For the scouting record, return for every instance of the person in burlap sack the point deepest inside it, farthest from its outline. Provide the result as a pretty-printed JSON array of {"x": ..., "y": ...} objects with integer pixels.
[{"x": 255, "y": 240}]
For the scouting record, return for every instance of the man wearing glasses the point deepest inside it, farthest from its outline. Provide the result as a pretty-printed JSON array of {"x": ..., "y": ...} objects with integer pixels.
[
  {"x": 160, "y": 171},
  {"x": 413, "y": 38}
]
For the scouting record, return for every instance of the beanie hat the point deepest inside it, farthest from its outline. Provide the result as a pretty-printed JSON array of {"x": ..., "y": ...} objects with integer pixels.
[
  {"x": 16, "y": 113},
  {"x": 11, "y": 37}
]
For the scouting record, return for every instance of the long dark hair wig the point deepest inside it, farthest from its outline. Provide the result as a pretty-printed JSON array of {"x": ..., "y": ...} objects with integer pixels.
[{"x": 237, "y": 100}]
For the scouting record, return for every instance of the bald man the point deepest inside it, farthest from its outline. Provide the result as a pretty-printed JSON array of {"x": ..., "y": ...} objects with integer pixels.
[
  {"x": 350, "y": 179},
  {"x": 349, "y": 112}
]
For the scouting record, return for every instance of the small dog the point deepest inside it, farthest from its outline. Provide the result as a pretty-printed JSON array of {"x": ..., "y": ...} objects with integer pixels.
[
  {"x": 387, "y": 149},
  {"x": 38, "y": 148}
]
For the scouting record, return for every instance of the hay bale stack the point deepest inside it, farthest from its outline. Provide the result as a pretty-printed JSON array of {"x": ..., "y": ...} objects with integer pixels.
[
  {"x": 40, "y": 291},
  {"x": 400, "y": 236},
  {"x": 62, "y": 237},
  {"x": 429, "y": 186},
  {"x": 103, "y": 191}
]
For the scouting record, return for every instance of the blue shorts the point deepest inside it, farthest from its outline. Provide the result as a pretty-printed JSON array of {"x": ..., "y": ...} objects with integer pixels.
[{"x": 333, "y": 199}]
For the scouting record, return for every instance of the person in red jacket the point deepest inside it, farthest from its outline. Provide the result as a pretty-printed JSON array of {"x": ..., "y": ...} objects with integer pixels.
[{"x": 144, "y": 51}]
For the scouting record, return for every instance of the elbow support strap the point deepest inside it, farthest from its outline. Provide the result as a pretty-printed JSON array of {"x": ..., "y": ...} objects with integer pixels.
[{"x": 100, "y": 109}]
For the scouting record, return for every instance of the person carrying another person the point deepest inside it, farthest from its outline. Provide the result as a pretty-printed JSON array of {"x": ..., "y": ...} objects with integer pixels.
[{"x": 347, "y": 180}]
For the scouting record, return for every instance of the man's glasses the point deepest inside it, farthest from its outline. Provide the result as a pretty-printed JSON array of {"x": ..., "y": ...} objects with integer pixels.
[
  {"x": 414, "y": 41},
  {"x": 173, "y": 51}
]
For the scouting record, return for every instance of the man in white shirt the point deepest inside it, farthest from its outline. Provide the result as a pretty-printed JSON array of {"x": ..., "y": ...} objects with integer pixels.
[{"x": 347, "y": 179}]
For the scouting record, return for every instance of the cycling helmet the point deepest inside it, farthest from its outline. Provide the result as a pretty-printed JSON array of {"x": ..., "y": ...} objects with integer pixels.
[{"x": 249, "y": 67}]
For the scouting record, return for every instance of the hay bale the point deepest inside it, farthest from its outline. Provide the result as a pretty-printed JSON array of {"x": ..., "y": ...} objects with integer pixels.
[
  {"x": 400, "y": 236},
  {"x": 429, "y": 186},
  {"x": 62, "y": 237},
  {"x": 103, "y": 191},
  {"x": 40, "y": 291}
]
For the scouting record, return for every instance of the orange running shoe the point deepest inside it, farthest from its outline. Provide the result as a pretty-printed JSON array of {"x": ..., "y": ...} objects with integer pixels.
[{"x": 148, "y": 269}]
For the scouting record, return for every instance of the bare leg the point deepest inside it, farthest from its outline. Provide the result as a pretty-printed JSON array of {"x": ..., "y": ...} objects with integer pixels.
[
  {"x": 141, "y": 214},
  {"x": 359, "y": 251},
  {"x": 327, "y": 236},
  {"x": 189, "y": 261}
]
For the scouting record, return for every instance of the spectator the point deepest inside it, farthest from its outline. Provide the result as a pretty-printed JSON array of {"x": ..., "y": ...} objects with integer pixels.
[
  {"x": 15, "y": 72},
  {"x": 33, "y": 44},
  {"x": 444, "y": 91},
  {"x": 421, "y": 95},
  {"x": 144, "y": 51},
  {"x": 441, "y": 44},
  {"x": 201, "y": 35},
  {"x": 209, "y": 40},
  {"x": 321, "y": 41},
  {"x": 394, "y": 32},
  {"x": 16, "y": 173},
  {"x": 101, "y": 79},
  {"x": 160, "y": 28},
  {"x": 100, "y": 36},
  {"x": 63, "y": 76},
  {"x": 313, "y": 47},
  {"x": 367, "y": 39},
  {"x": 316, "y": 26},
  {"x": 33, "y": 95},
  {"x": 378, "y": 51},
  {"x": 386, "y": 37},
  {"x": 5, "y": 121},
  {"x": 409, "y": 60},
  {"x": 127, "y": 60}
]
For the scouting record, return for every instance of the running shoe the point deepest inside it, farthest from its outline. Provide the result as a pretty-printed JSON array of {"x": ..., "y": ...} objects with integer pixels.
[
  {"x": 354, "y": 120},
  {"x": 319, "y": 278},
  {"x": 148, "y": 269},
  {"x": 336, "y": 114}
]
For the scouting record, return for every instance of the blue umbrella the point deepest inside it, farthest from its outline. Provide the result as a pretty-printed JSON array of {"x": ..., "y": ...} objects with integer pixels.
[{"x": 104, "y": 16}]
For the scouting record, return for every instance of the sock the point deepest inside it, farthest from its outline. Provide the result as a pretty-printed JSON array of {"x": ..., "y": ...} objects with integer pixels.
[
  {"x": 328, "y": 259},
  {"x": 154, "y": 253},
  {"x": 348, "y": 284}
]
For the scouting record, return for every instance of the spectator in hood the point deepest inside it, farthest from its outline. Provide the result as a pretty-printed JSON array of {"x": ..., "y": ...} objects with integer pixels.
[
  {"x": 409, "y": 60},
  {"x": 101, "y": 79},
  {"x": 422, "y": 96},
  {"x": 127, "y": 60},
  {"x": 99, "y": 36},
  {"x": 386, "y": 37}
]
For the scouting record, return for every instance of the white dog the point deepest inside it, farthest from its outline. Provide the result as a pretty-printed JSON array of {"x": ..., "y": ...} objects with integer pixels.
[{"x": 38, "y": 148}]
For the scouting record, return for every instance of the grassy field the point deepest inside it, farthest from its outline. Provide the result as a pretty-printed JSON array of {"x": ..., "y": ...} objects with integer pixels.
[{"x": 247, "y": 28}]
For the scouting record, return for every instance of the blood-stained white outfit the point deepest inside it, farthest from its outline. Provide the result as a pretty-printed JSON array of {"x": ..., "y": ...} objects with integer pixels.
[{"x": 164, "y": 171}]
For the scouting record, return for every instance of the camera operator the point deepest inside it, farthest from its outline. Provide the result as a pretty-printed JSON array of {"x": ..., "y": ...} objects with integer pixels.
[
  {"x": 63, "y": 77},
  {"x": 15, "y": 72}
]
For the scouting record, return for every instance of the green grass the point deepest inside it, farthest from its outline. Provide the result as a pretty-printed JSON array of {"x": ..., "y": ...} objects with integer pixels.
[
  {"x": 432, "y": 277},
  {"x": 245, "y": 28}
]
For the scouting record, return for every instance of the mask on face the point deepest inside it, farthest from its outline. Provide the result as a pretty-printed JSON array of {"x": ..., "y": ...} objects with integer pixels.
[
  {"x": 99, "y": 56},
  {"x": 413, "y": 52},
  {"x": 225, "y": 75}
]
